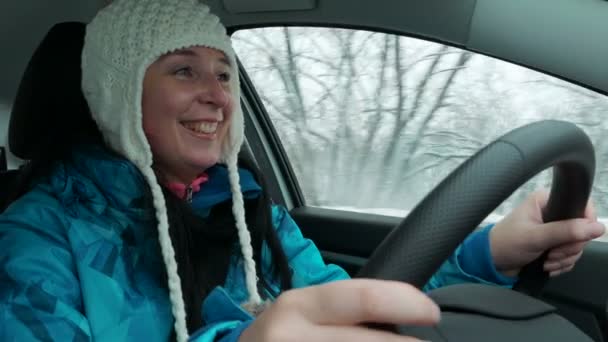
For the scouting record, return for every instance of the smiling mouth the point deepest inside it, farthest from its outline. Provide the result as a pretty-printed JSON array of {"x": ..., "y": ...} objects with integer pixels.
[{"x": 204, "y": 127}]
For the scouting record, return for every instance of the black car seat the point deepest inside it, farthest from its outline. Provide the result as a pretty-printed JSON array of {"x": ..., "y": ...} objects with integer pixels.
[
  {"x": 3, "y": 166},
  {"x": 49, "y": 112}
]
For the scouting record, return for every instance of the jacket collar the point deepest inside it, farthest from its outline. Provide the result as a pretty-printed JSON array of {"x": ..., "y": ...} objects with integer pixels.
[{"x": 104, "y": 177}]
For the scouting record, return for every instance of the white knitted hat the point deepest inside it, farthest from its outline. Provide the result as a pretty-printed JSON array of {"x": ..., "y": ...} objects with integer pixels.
[{"x": 121, "y": 42}]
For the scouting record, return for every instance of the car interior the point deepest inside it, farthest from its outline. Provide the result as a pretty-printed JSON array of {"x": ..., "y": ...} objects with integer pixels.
[{"x": 41, "y": 84}]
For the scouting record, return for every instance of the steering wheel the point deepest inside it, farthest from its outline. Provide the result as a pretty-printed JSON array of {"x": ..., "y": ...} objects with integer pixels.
[{"x": 418, "y": 246}]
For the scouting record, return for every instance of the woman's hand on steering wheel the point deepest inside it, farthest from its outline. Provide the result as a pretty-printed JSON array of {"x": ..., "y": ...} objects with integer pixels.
[
  {"x": 521, "y": 237},
  {"x": 337, "y": 311}
]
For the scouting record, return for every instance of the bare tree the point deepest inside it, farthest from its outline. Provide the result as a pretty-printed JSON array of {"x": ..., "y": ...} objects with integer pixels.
[{"x": 369, "y": 121}]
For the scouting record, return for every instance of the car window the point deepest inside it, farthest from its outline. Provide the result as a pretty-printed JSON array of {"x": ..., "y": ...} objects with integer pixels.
[{"x": 372, "y": 122}]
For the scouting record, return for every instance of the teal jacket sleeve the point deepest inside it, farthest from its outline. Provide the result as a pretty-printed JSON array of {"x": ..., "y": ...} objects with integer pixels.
[
  {"x": 226, "y": 320},
  {"x": 471, "y": 263},
  {"x": 307, "y": 265},
  {"x": 39, "y": 293}
]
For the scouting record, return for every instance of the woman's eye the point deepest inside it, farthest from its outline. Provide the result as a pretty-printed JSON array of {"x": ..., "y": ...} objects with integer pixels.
[
  {"x": 224, "y": 77},
  {"x": 185, "y": 72}
]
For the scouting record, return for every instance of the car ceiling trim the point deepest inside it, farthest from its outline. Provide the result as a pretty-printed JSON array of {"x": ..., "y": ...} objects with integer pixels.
[
  {"x": 257, "y": 6},
  {"x": 510, "y": 30}
]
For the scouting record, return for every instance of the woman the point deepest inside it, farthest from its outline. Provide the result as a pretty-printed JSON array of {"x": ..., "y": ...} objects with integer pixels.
[{"x": 161, "y": 225}]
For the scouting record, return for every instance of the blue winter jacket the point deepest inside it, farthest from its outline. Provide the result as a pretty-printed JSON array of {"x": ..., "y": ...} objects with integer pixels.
[{"x": 80, "y": 259}]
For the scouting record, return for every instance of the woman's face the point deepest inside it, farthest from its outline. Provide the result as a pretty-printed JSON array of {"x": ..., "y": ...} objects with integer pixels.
[{"x": 187, "y": 109}]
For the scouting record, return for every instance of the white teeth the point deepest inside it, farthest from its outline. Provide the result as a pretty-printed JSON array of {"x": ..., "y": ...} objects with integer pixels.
[
  {"x": 207, "y": 127},
  {"x": 203, "y": 127}
]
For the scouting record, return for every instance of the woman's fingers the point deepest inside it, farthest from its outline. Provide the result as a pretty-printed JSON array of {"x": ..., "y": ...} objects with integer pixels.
[
  {"x": 567, "y": 250},
  {"x": 562, "y": 271},
  {"x": 357, "y": 301},
  {"x": 564, "y": 264},
  {"x": 336, "y": 311}
]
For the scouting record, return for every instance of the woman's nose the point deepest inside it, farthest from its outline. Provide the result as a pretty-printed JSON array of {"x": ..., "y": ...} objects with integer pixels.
[{"x": 213, "y": 92}]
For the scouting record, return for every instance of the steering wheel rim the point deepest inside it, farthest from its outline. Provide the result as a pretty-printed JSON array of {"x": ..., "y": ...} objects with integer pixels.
[{"x": 423, "y": 240}]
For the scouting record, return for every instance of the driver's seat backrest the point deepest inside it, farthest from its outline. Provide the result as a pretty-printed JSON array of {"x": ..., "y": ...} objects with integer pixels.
[{"x": 50, "y": 111}]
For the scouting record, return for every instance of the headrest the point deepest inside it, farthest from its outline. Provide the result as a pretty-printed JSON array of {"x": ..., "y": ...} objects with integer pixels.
[{"x": 49, "y": 112}]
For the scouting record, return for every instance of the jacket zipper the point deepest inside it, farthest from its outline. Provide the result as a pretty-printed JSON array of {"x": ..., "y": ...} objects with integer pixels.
[{"x": 189, "y": 194}]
